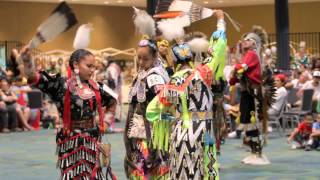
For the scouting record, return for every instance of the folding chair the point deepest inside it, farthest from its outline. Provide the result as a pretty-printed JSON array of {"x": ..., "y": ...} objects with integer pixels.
[
  {"x": 275, "y": 119},
  {"x": 292, "y": 96},
  {"x": 294, "y": 115}
]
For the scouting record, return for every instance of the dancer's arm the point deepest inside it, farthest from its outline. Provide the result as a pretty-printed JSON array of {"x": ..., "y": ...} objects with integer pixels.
[
  {"x": 218, "y": 47},
  {"x": 54, "y": 86}
]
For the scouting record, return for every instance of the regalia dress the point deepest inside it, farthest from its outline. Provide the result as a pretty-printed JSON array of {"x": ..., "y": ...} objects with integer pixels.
[
  {"x": 141, "y": 162},
  {"x": 182, "y": 111},
  {"x": 79, "y": 139},
  {"x": 249, "y": 76}
]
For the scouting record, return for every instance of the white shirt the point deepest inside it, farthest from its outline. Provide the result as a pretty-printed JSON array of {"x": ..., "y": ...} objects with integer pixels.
[
  {"x": 281, "y": 94},
  {"x": 296, "y": 84},
  {"x": 227, "y": 72}
]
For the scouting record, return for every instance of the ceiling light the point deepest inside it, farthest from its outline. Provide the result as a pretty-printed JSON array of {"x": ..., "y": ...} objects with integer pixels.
[
  {"x": 220, "y": 1},
  {"x": 106, "y": 2},
  {"x": 119, "y": 1},
  {"x": 205, "y": 2}
]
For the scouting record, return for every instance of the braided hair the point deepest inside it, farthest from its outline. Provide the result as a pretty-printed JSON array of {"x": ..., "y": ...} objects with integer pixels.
[{"x": 77, "y": 55}]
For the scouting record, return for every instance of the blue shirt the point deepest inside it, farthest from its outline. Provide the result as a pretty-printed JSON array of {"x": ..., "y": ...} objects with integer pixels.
[{"x": 316, "y": 125}]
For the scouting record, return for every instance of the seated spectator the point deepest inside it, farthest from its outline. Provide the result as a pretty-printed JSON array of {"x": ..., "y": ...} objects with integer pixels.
[
  {"x": 3, "y": 117},
  {"x": 50, "y": 115},
  {"x": 280, "y": 96},
  {"x": 8, "y": 117},
  {"x": 314, "y": 142},
  {"x": 316, "y": 63},
  {"x": 302, "y": 133},
  {"x": 20, "y": 88},
  {"x": 312, "y": 84},
  {"x": 299, "y": 81}
]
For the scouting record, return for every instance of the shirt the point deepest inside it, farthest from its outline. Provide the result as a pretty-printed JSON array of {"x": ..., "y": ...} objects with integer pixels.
[
  {"x": 280, "y": 96},
  {"x": 304, "y": 128},
  {"x": 316, "y": 125},
  {"x": 297, "y": 84}
]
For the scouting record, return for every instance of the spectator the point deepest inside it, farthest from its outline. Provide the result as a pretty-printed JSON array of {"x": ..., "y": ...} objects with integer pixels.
[
  {"x": 52, "y": 70},
  {"x": 228, "y": 69},
  {"x": 20, "y": 88},
  {"x": 50, "y": 115},
  {"x": 114, "y": 81},
  {"x": 39, "y": 64},
  {"x": 8, "y": 111},
  {"x": 312, "y": 84},
  {"x": 100, "y": 72},
  {"x": 280, "y": 96},
  {"x": 61, "y": 66},
  {"x": 316, "y": 63},
  {"x": 3, "y": 117},
  {"x": 302, "y": 133},
  {"x": 314, "y": 141},
  {"x": 298, "y": 82}
]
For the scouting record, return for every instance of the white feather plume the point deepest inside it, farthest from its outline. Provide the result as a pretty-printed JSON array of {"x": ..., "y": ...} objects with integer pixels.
[
  {"x": 274, "y": 49},
  {"x": 205, "y": 13},
  {"x": 144, "y": 23},
  {"x": 61, "y": 19},
  {"x": 199, "y": 45},
  {"x": 82, "y": 39},
  {"x": 184, "y": 6},
  {"x": 173, "y": 28},
  {"x": 268, "y": 52}
]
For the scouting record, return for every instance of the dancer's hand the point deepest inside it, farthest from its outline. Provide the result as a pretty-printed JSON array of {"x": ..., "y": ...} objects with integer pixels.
[
  {"x": 25, "y": 53},
  {"x": 219, "y": 14},
  {"x": 289, "y": 140},
  {"x": 2, "y": 105}
]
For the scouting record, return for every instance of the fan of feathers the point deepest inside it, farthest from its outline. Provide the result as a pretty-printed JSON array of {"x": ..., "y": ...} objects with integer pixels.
[{"x": 261, "y": 33}]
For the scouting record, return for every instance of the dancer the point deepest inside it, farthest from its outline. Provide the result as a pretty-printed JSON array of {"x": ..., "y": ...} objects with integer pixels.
[
  {"x": 140, "y": 161},
  {"x": 163, "y": 46},
  {"x": 78, "y": 99},
  {"x": 252, "y": 102},
  {"x": 192, "y": 148}
]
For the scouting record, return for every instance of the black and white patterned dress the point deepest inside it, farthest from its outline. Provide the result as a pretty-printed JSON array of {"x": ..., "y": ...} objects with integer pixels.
[{"x": 77, "y": 150}]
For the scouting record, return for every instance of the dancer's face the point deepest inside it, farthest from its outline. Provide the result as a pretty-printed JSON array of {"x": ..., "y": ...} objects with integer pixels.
[
  {"x": 145, "y": 58},
  {"x": 247, "y": 44},
  {"x": 86, "y": 67},
  {"x": 163, "y": 50}
]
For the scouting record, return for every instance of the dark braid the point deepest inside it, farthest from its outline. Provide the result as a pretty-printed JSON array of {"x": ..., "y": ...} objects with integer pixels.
[{"x": 77, "y": 55}]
